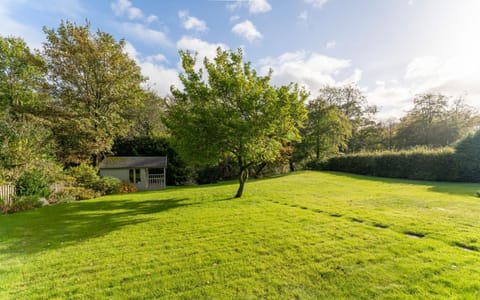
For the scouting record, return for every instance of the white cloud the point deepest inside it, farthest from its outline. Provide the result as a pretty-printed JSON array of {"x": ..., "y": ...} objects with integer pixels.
[
  {"x": 124, "y": 8},
  {"x": 331, "y": 45},
  {"x": 10, "y": 27},
  {"x": 131, "y": 51},
  {"x": 203, "y": 48},
  {"x": 151, "y": 18},
  {"x": 303, "y": 15},
  {"x": 254, "y": 6},
  {"x": 422, "y": 67},
  {"x": 157, "y": 58},
  {"x": 10, "y": 10},
  {"x": 247, "y": 30},
  {"x": 145, "y": 34},
  {"x": 192, "y": 23},
  {"x": 160, "y": 77},
  {"x": 391, "y": 98},
  {"x": 308, "y": 69},
  {"x": 234, "y": 18},
  {"x": 317, "y": 3},
  {"x": 259, "y": 6},
  {"x": 354, "y": 78},
  {"x": 453, "y": 76}
]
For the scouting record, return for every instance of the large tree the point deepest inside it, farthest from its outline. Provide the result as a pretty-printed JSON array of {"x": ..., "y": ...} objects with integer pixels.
[
  {"x": 327, "y": 129},
  {"x": 94, "y": 84},
  {"x": 147, "y": 118},
  {"x": 232, "y": 112},
  {"x": 350, "y": 100},
  {"x": 25, "y": 140}
]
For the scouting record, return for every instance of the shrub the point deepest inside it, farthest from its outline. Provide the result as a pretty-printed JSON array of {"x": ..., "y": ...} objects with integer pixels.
[
  {"x": 208, "y": 174},
  {"x": 33, "y": 183},
  {"x": 107, "y": 185},
  {"x": 85, "y": 175},
  {"x": 62, "y": 196},
  {"x": 467, "y": 156},
  {"x": 127, "y": 187},
  {"x": 79, "y": 193},
  {"x": 21, "y": 203}
]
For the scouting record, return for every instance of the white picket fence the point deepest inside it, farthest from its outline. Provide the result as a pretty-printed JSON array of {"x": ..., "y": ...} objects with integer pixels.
[{"x": 6, "y": 193}]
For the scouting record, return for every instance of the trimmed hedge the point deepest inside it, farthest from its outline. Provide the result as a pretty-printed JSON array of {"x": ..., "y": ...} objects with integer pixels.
[
  {"x": 418, "y": 164},
  {"x": 467, "y": 155}
]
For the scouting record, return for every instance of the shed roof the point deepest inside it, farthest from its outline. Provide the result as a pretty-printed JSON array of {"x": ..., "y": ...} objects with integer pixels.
[{"x": 120, "y": 162}]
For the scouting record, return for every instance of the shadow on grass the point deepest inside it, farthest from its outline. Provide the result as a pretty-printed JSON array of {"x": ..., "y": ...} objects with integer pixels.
[
  {"x": 452, "y": 188},
  {"x": 65, "y": 224}
]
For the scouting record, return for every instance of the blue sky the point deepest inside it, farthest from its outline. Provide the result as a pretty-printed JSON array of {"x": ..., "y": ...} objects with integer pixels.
[{"x": 392, "y": 49}]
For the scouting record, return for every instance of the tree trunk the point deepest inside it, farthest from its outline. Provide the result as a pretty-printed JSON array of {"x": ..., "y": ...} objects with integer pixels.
[
  {"x": 95, "y": 160},
  {"x": 242, "y": 178}
]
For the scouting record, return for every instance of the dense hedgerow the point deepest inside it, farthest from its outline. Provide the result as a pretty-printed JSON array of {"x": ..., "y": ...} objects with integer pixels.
[
  {"x": 467, "y": 155},
  {"x": 419, "y": 164}
]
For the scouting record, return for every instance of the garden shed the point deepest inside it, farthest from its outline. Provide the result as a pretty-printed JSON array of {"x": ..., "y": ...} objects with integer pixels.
[{"x": 146, "y": 172}]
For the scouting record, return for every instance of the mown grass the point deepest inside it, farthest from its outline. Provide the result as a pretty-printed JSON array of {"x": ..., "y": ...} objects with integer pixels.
[{"x": 307, "y": 235}]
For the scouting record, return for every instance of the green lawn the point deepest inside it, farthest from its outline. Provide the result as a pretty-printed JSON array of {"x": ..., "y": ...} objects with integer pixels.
[{"x": 307, "y": 235}]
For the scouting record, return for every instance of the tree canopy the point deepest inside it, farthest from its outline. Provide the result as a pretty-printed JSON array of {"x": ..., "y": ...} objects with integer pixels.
[
  {"x": 232, "y": 112},
  {"x": 435, "y": 122},
  {"x": 22, "y": 78},
  {"x": 327, "y": 130},
  {"x": 94, "y": 84}
]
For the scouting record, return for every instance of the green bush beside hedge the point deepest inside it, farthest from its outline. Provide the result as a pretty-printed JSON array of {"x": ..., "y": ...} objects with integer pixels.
[{"x": 467, "y": 155}]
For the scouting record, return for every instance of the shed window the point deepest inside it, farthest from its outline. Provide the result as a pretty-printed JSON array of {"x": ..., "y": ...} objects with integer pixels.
[
  {"x": 137, "y": 175},
  {"x": 134, "y": 175}
]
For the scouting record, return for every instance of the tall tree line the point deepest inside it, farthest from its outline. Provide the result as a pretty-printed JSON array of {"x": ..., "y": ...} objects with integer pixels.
[{"x": 341, "y": 121}]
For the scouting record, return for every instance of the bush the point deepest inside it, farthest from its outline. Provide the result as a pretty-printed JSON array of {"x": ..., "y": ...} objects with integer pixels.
[
  {"x": 467, "y": 156},
  {"x": 85, "y": 175},
  {"x": 78, "y": 193},
  {"x": 61, "y": 197},
  {"x": 419, "y": 164},
  {"x": 208, "y": 174},
  {"x": 127, "y": 187},
  {"x": 108, "y": 185},
  {"x": 21, "y": 203},
  {"x": 33, "y": 183}
]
